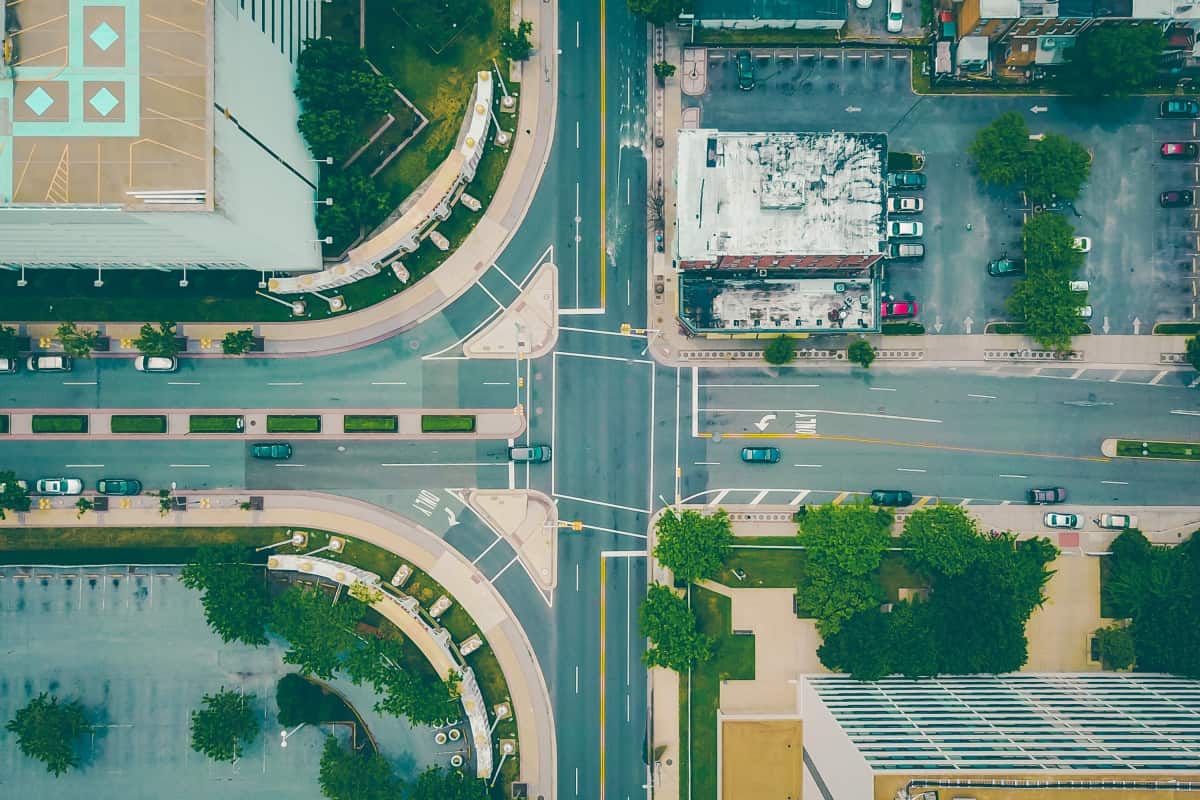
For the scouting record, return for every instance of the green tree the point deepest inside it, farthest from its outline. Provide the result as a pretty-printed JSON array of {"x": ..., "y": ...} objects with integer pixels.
[
  {"x": 1044, "y": 301},
  {"x": 161, "y": 342},
  {"x": 780, "y": 350},
  {"x": 845, "y": 546},
  {"x": 1116, "y": 646},
  {"x": 514, "y": 42},
  {"x": 358, "y": 205},
  {"x": 319, "y": 632},
  {"x": 1056, "y": 168},
  {"x": 421, "y": 700},
  {"x": 346, "y": 775},
  {"x": 47, "y": 730},
  {"x": 82, "y": 506},
  {"x": 1113, "y": 60},
  {"x": 301, "y": 701},
  {"x": 942, "y": 539},
  {"x": 329, "y": 132},
  {"x": 77, "y": 342},
  {"x": 861, "y": 352},
  {"x": 675, "y": 640},
  {"x": 8, "y": 342},
  {"x": 659, "y": 12},
  {"x": 238, "y": 342},
  {"x": 13, "y": 496},
  {"x": 860, "y": 646},
  {"x": 1049, "y": 243},
  {"x": 663, "y": 70},
  {"x": 224, "y": 725},
  {"x": 691, "y": 545},
  {"x": 451, "y": 784},
  {"x": 233, "y": 592},
  {"x": 1193, "y": 352},
  {"x": 1001, "y": 150}
]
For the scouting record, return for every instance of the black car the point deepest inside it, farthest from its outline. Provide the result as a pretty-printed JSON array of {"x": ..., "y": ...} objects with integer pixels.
[
  {"x": 119, "y": 486},
  {"x": 891, "y": 497},
  {"x": 1048, "y": 496},
  {"x": 1184, "y": 107},
  {"x": 1177, "y": 198},
  {"x": 745, "y": 71},
  {"x": 1000, "y": 267},
  {"x": 276, "y": 451}
]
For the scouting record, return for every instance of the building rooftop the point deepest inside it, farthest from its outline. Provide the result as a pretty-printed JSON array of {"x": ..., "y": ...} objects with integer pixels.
[
  {"x": 769, "y": 9},
  {"x": 776, "y": 301},
  {"x": 767, "y": 194}
]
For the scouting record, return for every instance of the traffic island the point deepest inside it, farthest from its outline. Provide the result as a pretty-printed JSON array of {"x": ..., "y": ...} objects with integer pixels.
[
  {"x": 528, "y": 521},
  {"x": 1136, "y": 448}
]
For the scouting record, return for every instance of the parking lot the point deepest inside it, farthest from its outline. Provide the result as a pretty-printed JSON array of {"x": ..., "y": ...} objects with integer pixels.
[{"x": 1143, "y": 264}]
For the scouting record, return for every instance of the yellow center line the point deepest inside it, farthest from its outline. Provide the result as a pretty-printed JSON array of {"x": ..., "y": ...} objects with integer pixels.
[
  {"x": 602, "y": 682},
  {"x": 603, "y": 148}
]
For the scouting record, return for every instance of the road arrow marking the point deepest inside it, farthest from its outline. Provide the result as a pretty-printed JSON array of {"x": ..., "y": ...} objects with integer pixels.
[
  {"x": 764, "y": 422},
  {"x": 1104, "y": 327},
  {"x": 937, "y": 324},
  {"x": 1137, "y": 326},
  {"x": 968, "y": 323},
  {"x": 852, "y": 109},
  {"x": 450, "y": 514},
  {"x": 1039, "y": 109}
]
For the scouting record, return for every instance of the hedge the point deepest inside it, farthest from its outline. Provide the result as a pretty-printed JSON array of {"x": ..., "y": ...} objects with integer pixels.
[
  {"x": 138, "y": 423},
  {"x": 447, "y": 423}
]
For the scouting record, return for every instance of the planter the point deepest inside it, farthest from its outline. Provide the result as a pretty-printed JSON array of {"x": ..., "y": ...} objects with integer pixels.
[
  {"x": 258, "y": 344},
  {"x": 100, "y": 503}
]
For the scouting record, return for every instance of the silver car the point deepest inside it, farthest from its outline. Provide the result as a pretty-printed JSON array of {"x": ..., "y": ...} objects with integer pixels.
[
  {"x": 59, "y": 486},
  {"x": 1054, "y": 519}
]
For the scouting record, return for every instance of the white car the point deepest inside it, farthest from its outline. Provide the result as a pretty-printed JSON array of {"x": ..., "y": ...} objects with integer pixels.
[
  {"x": 1085, "y": 312},
  {"x": 156, "y": 363},
  {"x": 8, "y": 364},
  {"x": 1078, "y": 286},
  {"x": 1053, "y": 519},
  {"x": 48, "y": 362},
  {"x": 59, "y": 486},
  {"x": 895, "y": 20},
  {"x": 905, "y": 230},
  {"x": 1083, "y": 244},
  {"x": 905, "y": 205},
  {"x": 863, "y": 3}
]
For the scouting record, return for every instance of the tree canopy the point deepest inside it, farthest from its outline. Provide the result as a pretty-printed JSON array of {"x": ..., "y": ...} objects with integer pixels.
[
  {"x": 77, "y": 342},
  {"x": 942, "y": 539},
  {"x": 346, "y": 775},
  {"x": 319, "y": 632},
  {"x": 1000, "y": 150},
  {"x": 233, "y": 592},
  {"x": 1057, "y": 169},
  {"x": 13, "y": 497},
  {"x": 1051, "y": 168},
  {"x": 693, "y": 546},
  {"x": 861, "y": 352},
  {"x": 1043, "y": 299},
  {"x": 8, "y": 342},
  {"x": 451, "y": 784},
  {"x": 845, "y": 545},
  {"x": 1113, "y": 60},
  {"x": 514, "y": 42},
  {"x": 675, "y": 640},
  {"x": 159, "y": 342},
  {"x": 47, "y": 730},
  {"x": 659, "y": 12},
  {"x": 237, "y": 342},
  {"x": 1116, "y": 647},
  {"x": 358, "y": 204},
  {"x": 781, "y": 349},
  {"x": 224, "y": 725}
]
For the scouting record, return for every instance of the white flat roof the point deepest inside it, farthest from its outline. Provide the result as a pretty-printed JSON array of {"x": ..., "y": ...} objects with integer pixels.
[{"x": 779, "y": 193}]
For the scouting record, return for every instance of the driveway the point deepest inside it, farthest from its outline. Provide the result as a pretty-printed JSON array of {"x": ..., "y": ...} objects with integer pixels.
[{"x": 1141, "y": 260}]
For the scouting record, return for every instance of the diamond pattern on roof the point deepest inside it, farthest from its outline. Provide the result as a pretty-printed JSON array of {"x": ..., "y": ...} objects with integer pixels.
[
  {"x": 39, "y": 100},
  {"x": 104, "y": 102},
  {"x": 104, "y": 36}
]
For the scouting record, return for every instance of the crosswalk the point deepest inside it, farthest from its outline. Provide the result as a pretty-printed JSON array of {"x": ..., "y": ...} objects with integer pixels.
[{"x": 795, "y": 497}]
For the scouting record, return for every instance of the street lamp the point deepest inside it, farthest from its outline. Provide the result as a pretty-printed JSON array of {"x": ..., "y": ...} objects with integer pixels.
[
  {"x": 328, "y": 201},
  {"x": 327, "y": 161},
  {"x": 283, "y": 735}
]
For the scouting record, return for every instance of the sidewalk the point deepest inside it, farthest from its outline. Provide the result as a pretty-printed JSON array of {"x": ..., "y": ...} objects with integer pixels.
[{"x": 423, "y": 548}]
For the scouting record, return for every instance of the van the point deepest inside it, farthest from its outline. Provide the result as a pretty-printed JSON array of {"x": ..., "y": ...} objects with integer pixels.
[
  {"x": 48, "y": 362},
  {"x": 536, "y": 453},
  {"x": 897, "y": 250},
  {"x": 8, "y": 364}
]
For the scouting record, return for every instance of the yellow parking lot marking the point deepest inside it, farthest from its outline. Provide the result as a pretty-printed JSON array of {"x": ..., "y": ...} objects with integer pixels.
[{"x": 837, "y": 501}]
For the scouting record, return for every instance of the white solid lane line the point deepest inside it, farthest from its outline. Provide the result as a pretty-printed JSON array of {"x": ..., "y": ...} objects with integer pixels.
[
  {"x": 285, "y": 383},
  {"x": 1116, "y": 483},
  {"x": 289, "y": 465},
  {"x": 810, "y": 466},
  {"x": 983, "y": 396},
  {"x": 84, "y": 466},
  {"x": 79, "y": 383},
  {"x": 602, "y": 503},
  {"x": 760, "y": 386},
  {"x": 389, "y": 383},
  {"x": 188, "y": 466},
  {"x": 881, "y": 389},
  {"x": 497, "y": 383},
  {"x": 906, "y": 469},
  {"x": 1187, "y": 413},
  {"x": 825, "y": 411},
  {"x": 183, "y": 383},
  {"x": 1022, "y": 477},
  {"x": 707, "y": 463},
  {"x": 452, "y": 464}
]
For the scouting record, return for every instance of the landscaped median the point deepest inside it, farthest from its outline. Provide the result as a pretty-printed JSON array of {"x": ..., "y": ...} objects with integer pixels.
[{"x": 1138, "y": 448}]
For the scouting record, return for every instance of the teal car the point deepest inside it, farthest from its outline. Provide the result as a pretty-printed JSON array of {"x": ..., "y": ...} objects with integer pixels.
[
  {"x": 760, "y": 455},
  {"x": 119, "y": 486},
  {"x": 274, "y": 451}
]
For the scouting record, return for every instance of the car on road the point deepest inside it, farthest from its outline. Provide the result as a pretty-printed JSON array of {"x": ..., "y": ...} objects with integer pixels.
[
  {"x": 902, "y": 250},
  {"x": 276, "y": 451},
  {"x": 8, "y": 365},
  {"x": 1117, "y": 522},
  {"x": 1042, "y": 497},
  {"x": 48, "y": 362},
  {"x": 59, "y": 486},
  {"x": 906, "y": 180},
  {"x": 1053, "y": 519},
  {"x": 905, "y": 205},
  {"x": 537, "y": 453},
  {"x": 1179, "y": 150},
  {"x": 891, "y": 497},
  {"x": 1003, "y": 266},
  {"x": 905, "y": 230},
  {"x": 895, "y": 19},
  {"x": 760, "y": 455},
  {"x": 1083, "y": 244},
  {"x": 1176, "y": 198},
  {"x": 1180, "y": 107},
  {"x": 897, "y": 309},
  {"x": 745, "y": 71},
  {"x": 119, "y": 486},
  {"x": 156, "y": 363}
]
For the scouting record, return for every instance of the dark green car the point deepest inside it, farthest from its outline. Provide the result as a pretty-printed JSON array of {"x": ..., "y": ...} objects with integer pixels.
[
  {"x": 745, "y": 71},
  {"x": 891, "y": 497},
  {"x": 760, "y": 455},
  {"x": 1001, "y": 267},
  {"x": 119, "y": 486},
  {"x": 276, "y": 451}
]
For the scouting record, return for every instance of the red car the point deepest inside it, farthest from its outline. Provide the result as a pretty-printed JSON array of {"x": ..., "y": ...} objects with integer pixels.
[
  {"x": 1179, "y": 150},
  {"x": 897, "y": 309}
]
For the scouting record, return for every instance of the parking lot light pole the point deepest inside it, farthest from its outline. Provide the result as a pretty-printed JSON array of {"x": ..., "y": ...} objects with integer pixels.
[{"x": 283, "y": 735}]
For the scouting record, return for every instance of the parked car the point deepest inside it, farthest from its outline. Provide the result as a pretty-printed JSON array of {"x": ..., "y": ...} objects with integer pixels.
[
  {"x": 1176, "y": 198},
  {"x": 8, "y": 365},
  {"x": 119, "y": 486},
  {"x": 905, "y": 230},
  {"x": 277, "y": 451},
  {"x": 1053, "y": 519},
  {"x": 862, "y": 3},
  {"x": 1083, "y": 244},
  {"x": 895, "y": 20},
  {"x": 1042, "y": 497},
  {"x": 156, "y": 363},
  {"x": 1077, "y": 286},
  {"x": 760, "y": 455},
  {"x": 48, "y": 362},
  {"x": 1001, "y": 267},
  {"x": 1117, "y": 522},
  {"x": 902, "y": 250},
  {"x": 59, "y": 486},
  {"x": 905, "y": 205},
  {"x": 891, "y": 497},
  {"x": 1085, "y": 312},
  {"x": 1184, "y": 107},
  {"x": 906, "y": 180},
  {"x": 1186, "y": 150},
  {"x": 745, "y": 71},
  {"x": 536, "y": 453},
  {"x": 897, "y": 309}
]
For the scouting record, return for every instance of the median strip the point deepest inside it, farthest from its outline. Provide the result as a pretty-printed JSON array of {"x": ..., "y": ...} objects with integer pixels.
[{"x": 1171, "y": 451}]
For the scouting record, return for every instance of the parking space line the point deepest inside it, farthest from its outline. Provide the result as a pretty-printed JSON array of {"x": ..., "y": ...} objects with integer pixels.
[
  {"x": 799, "y": 498},
  {"x": 718, "y": 497},
  {"x": 758, "y": 498},
  {"x": 965, "y": 501},
  {"x": 900, "y": 56},
  {"x": 923, "y": 501},
  {"x": 837, "y": 501},
  {"x": 1078, "y": 372}
]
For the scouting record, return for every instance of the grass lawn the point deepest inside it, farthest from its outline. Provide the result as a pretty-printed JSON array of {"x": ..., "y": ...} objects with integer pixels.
[
  {"x": 365, "y": 423},
  {"x": 447, "y": 423},
  {"x": 115, "y": 545},
  {"x": 60, "y": 423},
  {"x": 777, "y": 567},
  {"x": 216, "y": 423},
  {"x": 293, "y": 423},
  {"x": 894, "y": 575},
  {"x": 733, "y": 658},
  {"x": 138, "y": 423},
  {"x": 1177, "y": 328},
  {"x": 1180, "y": 451}
]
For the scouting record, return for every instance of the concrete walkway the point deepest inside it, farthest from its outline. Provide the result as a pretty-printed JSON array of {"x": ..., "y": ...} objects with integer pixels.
[
  {"x": 528, "y": 521},
  {"x": 417, "y": 545}
]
